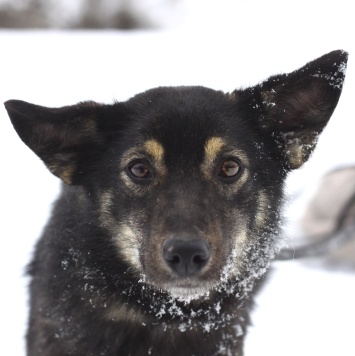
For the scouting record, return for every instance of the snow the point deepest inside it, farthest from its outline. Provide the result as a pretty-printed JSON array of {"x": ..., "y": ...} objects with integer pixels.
[
  {"x": 334, "y": 80},
  {"x": 304, "y": 309}
]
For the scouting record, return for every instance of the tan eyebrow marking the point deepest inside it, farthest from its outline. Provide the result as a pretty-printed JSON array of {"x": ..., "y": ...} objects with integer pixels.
[
  {"x": 212, "y": 148},
  {"x": 215, "y": 145},
  {"x": 155, "y": 149}
]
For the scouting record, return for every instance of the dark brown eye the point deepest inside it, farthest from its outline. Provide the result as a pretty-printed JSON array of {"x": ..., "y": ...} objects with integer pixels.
[
  {"x": 140, "y": 169},
  {"x": 229, "y": 169}
]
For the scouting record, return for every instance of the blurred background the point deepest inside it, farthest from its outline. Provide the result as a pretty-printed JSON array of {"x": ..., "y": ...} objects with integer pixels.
[
  {"x": 56, "y": 53},
  {"x": 90, "y": 14}
]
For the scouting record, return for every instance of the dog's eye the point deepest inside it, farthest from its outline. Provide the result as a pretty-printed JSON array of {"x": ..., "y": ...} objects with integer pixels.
[
  {"x": 140, "y": 169},
  {"x": 229, "y": 168}
]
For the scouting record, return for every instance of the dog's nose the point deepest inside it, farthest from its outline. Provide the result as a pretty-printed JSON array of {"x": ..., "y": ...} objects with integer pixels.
[{"x": 186, "y": 257}]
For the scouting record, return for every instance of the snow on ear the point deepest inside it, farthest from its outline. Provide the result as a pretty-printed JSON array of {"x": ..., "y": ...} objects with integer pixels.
[
  {"x": 61, "y": 137},
  {"x": 297, "y": 106}
]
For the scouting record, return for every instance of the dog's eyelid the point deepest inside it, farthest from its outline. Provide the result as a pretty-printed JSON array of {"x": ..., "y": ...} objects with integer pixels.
[
  {"x": 235, "y": 154},
  {"x": 128, "y": 159},
  {"x": 232, "y": 154}
]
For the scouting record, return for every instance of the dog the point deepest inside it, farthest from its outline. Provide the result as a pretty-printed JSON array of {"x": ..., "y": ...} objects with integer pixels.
[{"x": 170, "y": 211}]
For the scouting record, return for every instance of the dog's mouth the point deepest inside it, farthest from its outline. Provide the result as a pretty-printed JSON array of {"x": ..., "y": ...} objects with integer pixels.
[
  {"x": 190, "y": 291},
  {"x": 183, "y": 289},
  {"x": 186, "y": 274}
]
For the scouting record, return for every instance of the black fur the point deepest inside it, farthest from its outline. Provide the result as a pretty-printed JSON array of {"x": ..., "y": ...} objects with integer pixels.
[{"x": 90, "y": 294}]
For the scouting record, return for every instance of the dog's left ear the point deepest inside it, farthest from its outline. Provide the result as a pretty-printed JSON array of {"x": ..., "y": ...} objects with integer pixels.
[{"x": 294, "y": 108}]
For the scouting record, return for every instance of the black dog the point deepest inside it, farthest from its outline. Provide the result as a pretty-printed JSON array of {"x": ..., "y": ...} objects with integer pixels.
[{"x": 170, "y": 211}]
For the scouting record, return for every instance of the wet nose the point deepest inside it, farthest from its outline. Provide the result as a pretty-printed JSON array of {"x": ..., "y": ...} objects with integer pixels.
[{"x": 186, "y": 256}]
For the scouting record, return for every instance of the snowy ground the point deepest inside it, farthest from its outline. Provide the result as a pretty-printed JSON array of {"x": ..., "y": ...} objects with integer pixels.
[{"x": 304, "y": 310}]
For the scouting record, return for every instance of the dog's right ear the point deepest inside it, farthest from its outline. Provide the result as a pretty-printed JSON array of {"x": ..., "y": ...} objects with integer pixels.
[{"x": 63, "y": 138}]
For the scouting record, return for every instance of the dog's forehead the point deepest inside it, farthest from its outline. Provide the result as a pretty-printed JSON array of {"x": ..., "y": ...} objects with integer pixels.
[
  {"x": 210, "y": 149},
  {"x": 184, "y": 122}
]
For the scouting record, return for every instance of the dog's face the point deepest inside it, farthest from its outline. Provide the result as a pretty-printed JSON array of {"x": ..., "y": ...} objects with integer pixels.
[
  {"x": 188, "y": 181},
  {"x": 191, "y": 188}
]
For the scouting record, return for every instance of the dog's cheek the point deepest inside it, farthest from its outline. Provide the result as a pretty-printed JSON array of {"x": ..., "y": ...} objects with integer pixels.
[
  {"x": 128, "y": 242},
  {"x": 126, "y": 235},
  {"x": 262, "y": 208},
  {"x": 154, "y": 267},
  {"x": 249, "y": 217},
  {"x": 235, "y": 240},
  {"x": 262, "y": 236},
  {"x": 155, "y": 270}
]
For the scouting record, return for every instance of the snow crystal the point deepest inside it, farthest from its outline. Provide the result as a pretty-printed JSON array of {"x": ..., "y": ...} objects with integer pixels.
[
  {"x": 183, "y": 327},
  {"x": 175, "y": 310},
  {"x": 65, "y": 264},
  {"x": 207, "y": 327},
  {"x": 238, "y": 330},
  {"x": 161, "y": 312},
  {"x": 218, "y": 307}
]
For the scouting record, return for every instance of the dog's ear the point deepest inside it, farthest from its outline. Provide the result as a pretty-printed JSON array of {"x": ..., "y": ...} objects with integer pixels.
[
  {"x": 62, "y": 137},
  {"x": 294, "y": 108}
]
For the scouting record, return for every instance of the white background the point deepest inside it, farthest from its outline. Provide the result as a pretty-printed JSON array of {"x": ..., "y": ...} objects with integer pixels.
[{"x": 220, "y": 44}]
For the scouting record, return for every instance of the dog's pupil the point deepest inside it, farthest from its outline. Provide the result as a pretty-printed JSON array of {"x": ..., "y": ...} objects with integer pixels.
[{"x": 229, "y": 168}]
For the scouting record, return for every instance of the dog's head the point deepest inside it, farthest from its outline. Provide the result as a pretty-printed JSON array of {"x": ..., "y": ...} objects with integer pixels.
[{"x": 187, "y": 181}]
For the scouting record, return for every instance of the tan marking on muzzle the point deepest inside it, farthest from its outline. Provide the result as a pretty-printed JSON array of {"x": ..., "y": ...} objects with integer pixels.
[
  {"x": 125, "y": 239},
  {"x": 261, "y": 214},
  {"x": 241, "y": 240},
  {"x": 128, "y": 245},
  {"x": 235, "y": 262},
  {"x": 106, "y": 218}
]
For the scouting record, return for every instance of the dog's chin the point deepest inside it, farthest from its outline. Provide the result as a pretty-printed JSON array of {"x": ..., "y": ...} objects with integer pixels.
[{"x": 189, "y": 292}]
